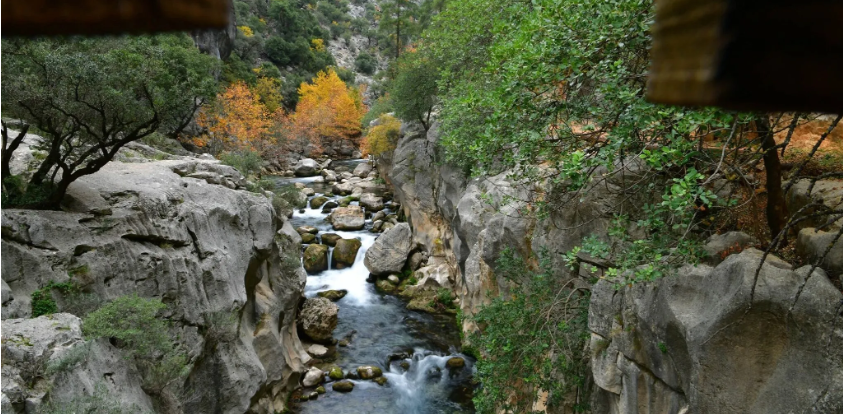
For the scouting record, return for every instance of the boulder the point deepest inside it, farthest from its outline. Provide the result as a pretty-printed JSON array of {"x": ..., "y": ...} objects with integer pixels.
[
  {"x": 330, "y": 239},
  {"x": 306, "y": 167},
  {"x": 385, "y": 286},
  {"x": 343, "y": 386},
  {"x": 299, "y": 186},
  {"x": 332, "y": 295},
  {"x": 307, "y": 229},
  {"x": 362, "y": 170},
  {"x": 317, "y": 351},
  {"x": 438, "y": 275},
  {"x": 328, "y": 206},
  {"x": 393, "y": 279},
  {"x": 692, "y": 343},
  {"x": 318, "y": 201},
  {"x": 389, "y": 252},
  {"x": 417, "y": 260},
  {"x": 377, "y": 226},
  {"x": 719, "y": 246},
  {"x": 455, "y": 362},
  {"x": 329, "y": 176},
  {"x": 380, "y": 215},
  {"x": 345, "y": 253},
  {"x": 318, "y": 319},
  {"x": 335, "y": 373},
  {"x": 307, "y": 238},
  {"x": 315, "y": 258},
  {"x": 371, "y": 202},
  {"x": 369, "y": 372},
  {"x": 308, "y": 191},
  {"x": 313, "y": 376},
  {"x": 812, "y": 246},
  {"x": 348, "y": 218}
]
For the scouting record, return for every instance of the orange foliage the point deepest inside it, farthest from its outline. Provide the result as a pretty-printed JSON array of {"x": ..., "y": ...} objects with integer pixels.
[
  {"x": 237, "y": 121},
  {"x": 328, "y": 109}
]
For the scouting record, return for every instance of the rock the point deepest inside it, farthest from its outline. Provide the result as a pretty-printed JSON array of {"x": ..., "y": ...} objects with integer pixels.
[
  {"x": 318, "y": 201},
  {"x": 329, "y": 176},
  {"x": 385, "y": 286},
  {"x": 313, "y": 376},
  {"x": 436, "y": 276},
  {"x": 315, "y": 257},
  {"x": 318, "y": 319},
  {"x": 381, "y": 381},
  {"x": 307, "y": 229},
  {"x": 812, "y": 245},
  {"x": 345, "y": 202},
  {"x": 345, "y": 253},
  {"x": 332, "y": 295},
  {"x": 317, "y": 351},
  {"x": 348, "y": 218},
  {"x": 421, "y": 304},
  {"x": 371, "y": 202},
  {"x": 389, "y": 252},
  {"x": 417, "y": 260},
  {"x": 377, "y": 226},
  {"x": 343, "y": 343},
  {"x": 299, "y": 186},
  {"x": 203, "y": 249},
  {"x": 362, "y": 170},
  {"x": 386, "y": 226},
  {"x": 308, "y": 192},
  {"x": 308, "y": 238},
  {"x": 343, "y": 386},
  {"x": 307, "y": 167},
  {"x": 393, "y": 279},
  {"x": 380, "y": 215},
  {"x": 719, "y": 246},
  {"x": 320, "y": 389},
  {"x": 404, "y": 365},
  {"x": 313, "y": 395},
  {"x": 369, "y": 372},
  {"x": 690, "y": 340},
  {"x": 330, "y": 239},
  {"x": 328, "y": 206},
  {"x": 455, "y": 363},
  {"x": 335, "y": 373}
]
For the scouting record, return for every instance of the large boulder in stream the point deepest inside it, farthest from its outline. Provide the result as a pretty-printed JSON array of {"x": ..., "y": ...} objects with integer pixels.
[
  {"x": 390, "y": 251},
  {"x": 306, "y": 167},
  {"x": 318, "y": 319},
  {"x": 330, "y": 239},
  {"x": 362, "y": 170},
  {"x": 345, "y": 253},
  {"x": 316, "y": 258},
  {"x": 348, "y": 218},
  {"x": 318, "y": 201},
  {"x": 371, "y": 202}
]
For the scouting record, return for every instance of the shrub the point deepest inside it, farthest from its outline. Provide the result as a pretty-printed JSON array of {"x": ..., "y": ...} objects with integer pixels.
[
  {"x": 42, "y": 299},
  {"x": 366, "y": 63},
  {"x": 246, "y": 161},
  {"x": 383, "y": 137},
  {"x": 72, "y": 357}
]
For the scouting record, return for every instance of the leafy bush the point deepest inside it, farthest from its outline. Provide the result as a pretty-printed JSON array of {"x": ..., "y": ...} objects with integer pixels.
[
  {"x": 383, "y": 137},
  {"x": 366, "y": 63},
  {"x": 534, "y": 337},
  {"x": 42, "y": 299},
  {"x": 246, "y": 161}
]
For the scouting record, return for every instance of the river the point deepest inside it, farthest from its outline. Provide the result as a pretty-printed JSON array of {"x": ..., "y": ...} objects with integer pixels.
[{"x": 384, "y": 327}]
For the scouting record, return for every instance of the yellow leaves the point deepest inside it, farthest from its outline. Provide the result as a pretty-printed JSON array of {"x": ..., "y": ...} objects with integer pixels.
[
  {"x": 246, "y": 30},
  {"x": 383, "y": 137},
  {"x": 238, "y": 119},
  {"x": 328, "y": 109},
  {"x": 318, "y": 45},
  {"x": 269, "y": 93}
]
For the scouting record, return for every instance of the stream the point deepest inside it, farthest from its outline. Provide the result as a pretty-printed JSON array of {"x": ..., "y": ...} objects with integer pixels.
[{"x": 383, "y": 327}]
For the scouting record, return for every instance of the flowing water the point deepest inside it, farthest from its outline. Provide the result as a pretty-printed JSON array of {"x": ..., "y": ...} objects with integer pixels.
[{"x": 383, "y": 328}]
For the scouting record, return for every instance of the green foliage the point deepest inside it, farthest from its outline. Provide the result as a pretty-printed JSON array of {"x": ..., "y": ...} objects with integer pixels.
[
  {"x": 414, "y": 89},
  {"x": 71, "y": 358},
  {"x": 247, "y": 162},
  {"x": 101, "y": 402},
  {"x": 366, "y": 63},
  {"x": 663, "y": 347},
  {"x": 91, "y": 96},
  {"x": 42, "y": 299},
  {"x": 381, "y": 106},
  {"x": 535, "y": 338}
]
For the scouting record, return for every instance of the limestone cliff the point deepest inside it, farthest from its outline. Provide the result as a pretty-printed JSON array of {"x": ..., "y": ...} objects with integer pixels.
[
  {"x": 688, "y": 343},
  {"x": 180, "y": 231}
]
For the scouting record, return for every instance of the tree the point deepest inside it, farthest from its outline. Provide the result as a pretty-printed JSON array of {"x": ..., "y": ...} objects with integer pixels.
[
  {"x": 328, "y": 109},
  {"x": 89, "y": 98},
  {"x": 396, "y": 20},
  {"x": 383, "y": 137},
  {"x": 414, "y": 88},
  {"x": 236, "y": 121}
]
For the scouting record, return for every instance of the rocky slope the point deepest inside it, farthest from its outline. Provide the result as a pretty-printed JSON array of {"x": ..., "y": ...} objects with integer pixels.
[
  {"x": 182, "y": 231},
  {"x": 693, "y": 343}
]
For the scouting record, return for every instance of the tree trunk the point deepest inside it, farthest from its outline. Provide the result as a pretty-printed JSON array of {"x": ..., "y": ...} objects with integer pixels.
[{"x": 776, "y": 204}]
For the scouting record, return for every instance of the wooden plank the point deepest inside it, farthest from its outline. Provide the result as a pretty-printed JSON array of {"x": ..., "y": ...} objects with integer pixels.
[
  {"x": 772, "y": 55},
  {"x": 64, "y": 17}
]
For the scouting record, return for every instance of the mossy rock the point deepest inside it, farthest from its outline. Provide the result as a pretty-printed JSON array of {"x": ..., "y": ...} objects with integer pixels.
[
  {"x": 455, "y": 363},
  {"x": 380, "y": 380},
  {"x": 316, "y": 258},
  {"x": 332, "y": 295},
  {"x": 345, "y": 252},
  {"x": 422, "y": 304},
  {"x": 335, "y": 373},
  {"x": 369, "y": 372},
  {"x": 320, "y": 389},
  {"x": 330, "y": 239},
  {"x": 308, "y": 238},
  {"x": 384, "y": 286},
  {"x": 344, "y": 202},
  {"x": 318, "y": 201},
  {"x": 343, "y": 386}
]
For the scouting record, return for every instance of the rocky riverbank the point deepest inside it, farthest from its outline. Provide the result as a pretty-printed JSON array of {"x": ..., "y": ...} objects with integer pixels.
[{"x": 688, "y": 343}]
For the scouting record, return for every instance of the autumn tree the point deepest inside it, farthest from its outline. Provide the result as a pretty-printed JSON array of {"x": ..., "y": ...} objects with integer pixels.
[
  {"x": 236, "y": 121},
  {"x": 383, "y": 137},
  {"x": 328, "y": 110}
]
